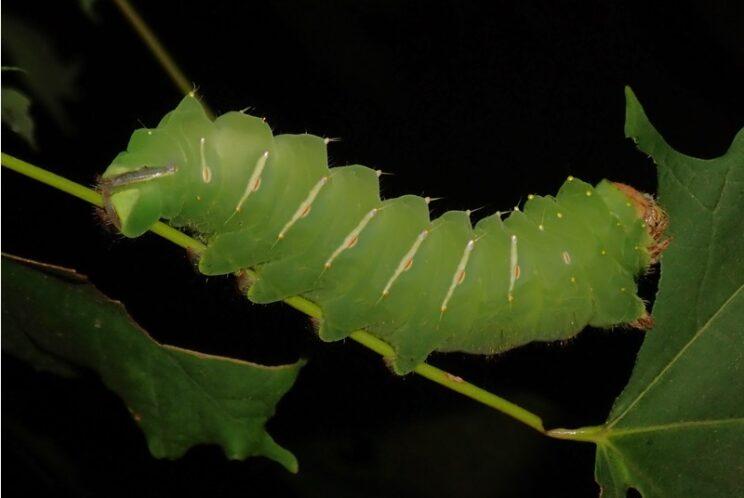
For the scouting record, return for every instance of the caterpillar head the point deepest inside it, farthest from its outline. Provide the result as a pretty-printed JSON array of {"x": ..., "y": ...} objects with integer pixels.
[
  {"x": 132, "y": 197},
  {"x": 149, "y": 179}
]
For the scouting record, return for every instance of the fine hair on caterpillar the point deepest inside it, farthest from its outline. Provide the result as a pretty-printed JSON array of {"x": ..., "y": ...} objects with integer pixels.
[{"x": 272, "y": 204}]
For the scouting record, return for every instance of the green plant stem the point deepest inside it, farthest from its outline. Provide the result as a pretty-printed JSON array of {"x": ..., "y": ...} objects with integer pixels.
[
  {"x": 157, "y": 48},
  {"x": 434, "y": 374},
  {"x": 592, "y": 434},
  {"x": 56, "y": 181},
  {"x": 179, "y": 238}
]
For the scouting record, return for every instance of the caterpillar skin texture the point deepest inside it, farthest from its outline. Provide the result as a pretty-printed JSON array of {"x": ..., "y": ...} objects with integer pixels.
[{"x": 271, "y": 203}]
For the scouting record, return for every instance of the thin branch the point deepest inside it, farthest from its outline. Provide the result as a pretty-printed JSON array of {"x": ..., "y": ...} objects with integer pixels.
[
  {"x": 157, "y": 48},
  {"x": 364, "y": 338}
]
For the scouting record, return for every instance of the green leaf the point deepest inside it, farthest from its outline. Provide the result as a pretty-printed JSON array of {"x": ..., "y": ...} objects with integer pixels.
[
  {"x": 16, "y": 115},
  {"x": 50, "y": 79},
  {"x": 179, "y": 398},
  {"x": 678, "y": 427}
]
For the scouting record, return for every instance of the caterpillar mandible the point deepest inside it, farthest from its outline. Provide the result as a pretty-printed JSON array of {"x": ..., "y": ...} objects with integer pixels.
[{"x": 271, "y": 203}]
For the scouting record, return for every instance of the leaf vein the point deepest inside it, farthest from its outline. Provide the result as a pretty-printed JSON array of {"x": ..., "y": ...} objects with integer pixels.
[
  {"x": 681, "y": 352},
  {"x": 675, "y": 425}
]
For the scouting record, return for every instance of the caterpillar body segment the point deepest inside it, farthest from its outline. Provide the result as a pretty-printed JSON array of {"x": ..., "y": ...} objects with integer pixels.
[
  {"x": 271, "y": 203},
  {"x": 352, "y": 289}
]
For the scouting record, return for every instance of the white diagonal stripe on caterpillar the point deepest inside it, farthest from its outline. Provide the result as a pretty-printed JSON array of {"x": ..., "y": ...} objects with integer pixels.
[
  {"x": 205, "y": 169},
  {"x": 513, "y": 267},
  {"x": 254, "y": 181},
  {"x": 406, "y": 261},
  {"x": 459, "y": 275},
  {"x": 351, "y": 239},
  {"x": 304, "y": 208}
]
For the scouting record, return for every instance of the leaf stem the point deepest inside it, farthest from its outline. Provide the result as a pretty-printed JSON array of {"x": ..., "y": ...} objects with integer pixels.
[
  {"x": 364, "y": 338},
  {"x": 593, "y": 434}
]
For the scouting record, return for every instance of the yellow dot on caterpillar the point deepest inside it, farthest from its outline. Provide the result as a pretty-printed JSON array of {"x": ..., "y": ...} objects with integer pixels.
[
  {"x": 622, "y": 289},
  {"x": 385, "y": 293},
  {"x": 541, "y": 227},
  {"x": 280, "y": 236},
  {"x": 149, "y": 132},
  {"x": 570, "y": 178},
  {"x": 443, "y": 309},
  {"x": 635, "y": 247},
  {"x": 619, "y": 224},
  {"x": 510, "y": 298},
  {"x": 560, "y": 215},
  {"x": 573, "y": 280},
  {"x": 643, "y": 225},
  {"x": 327, "y": 266},
  {"x": 198, "y": 198},
  {"x": 602, "y": 252},
  {"x": 531, "y": 196},
  {"x": 627, "y": 204},
  {"x": 588, "y": 193}
]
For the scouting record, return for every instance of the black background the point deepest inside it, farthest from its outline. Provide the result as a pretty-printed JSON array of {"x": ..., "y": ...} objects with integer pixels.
[{"x": 478, "y": 103}]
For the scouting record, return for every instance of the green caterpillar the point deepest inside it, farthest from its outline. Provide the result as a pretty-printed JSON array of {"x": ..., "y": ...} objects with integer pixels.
[{"x": 271, "y": 203}]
